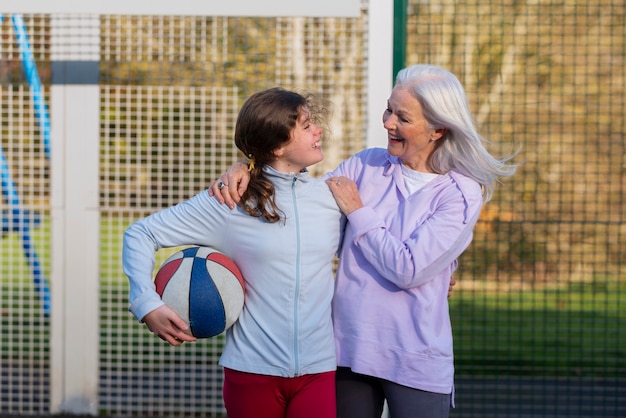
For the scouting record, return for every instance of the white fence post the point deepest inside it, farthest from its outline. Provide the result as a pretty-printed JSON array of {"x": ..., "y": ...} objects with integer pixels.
[
  {"x": 75, "y": 226},
  {"x": 379, "y": 68}
]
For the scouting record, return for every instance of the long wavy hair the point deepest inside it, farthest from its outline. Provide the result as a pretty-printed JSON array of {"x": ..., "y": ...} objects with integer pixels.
[
  {"x": 265, "y": 122},
  {"x": 444, "y": 103}
]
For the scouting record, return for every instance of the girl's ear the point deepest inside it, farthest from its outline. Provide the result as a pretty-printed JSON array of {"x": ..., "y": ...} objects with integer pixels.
[{"x": 278, "y": 152}]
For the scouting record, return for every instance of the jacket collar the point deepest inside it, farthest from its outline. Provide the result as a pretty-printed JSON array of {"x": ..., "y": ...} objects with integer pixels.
[
  {"x": 392, "y": 163},
  {"x": 284, "y": 181}
]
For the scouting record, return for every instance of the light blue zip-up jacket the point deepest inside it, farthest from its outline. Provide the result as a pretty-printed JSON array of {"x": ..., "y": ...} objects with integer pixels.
[
  {"x": 390, "y": 308},
  {"x": 285, "y": 328}
]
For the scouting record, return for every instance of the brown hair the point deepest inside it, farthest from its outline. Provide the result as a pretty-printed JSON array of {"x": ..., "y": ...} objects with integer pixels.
[{"x": 265, "y": 123}]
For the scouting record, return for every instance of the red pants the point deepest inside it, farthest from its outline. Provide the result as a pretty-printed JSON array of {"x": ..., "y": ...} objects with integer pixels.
[{"x": 249, "y": 395}]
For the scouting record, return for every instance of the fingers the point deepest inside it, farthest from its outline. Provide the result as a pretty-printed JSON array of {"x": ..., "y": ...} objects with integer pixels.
[
  {"x": 171, "y": 339},
  {"x": 229, "y": 193},
  {"x": 238, "y": 178},
  {"x": 180, "y": 326},
  {"x": 231, "y": 185},
  {"x": 346, "y": 194},
  {"x": 214, "y": 191},
  {"x": 451, "y": 287},
  {"x": 175, "y": 335},
  {"x": 168, "y": 326},
  {"x": 341, "y": 184},
  {"x": 333, "y": 182},
  {"x": 221, "y": 191},
  {"x": 178, "y": 337},
  {"x": 241, "y": 188},
  {"x": 225, "y": 193},
  {"x": 339, "y": 181}
]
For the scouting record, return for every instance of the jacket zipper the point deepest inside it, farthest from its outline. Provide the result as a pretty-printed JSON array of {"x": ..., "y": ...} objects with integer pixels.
[{"x": 297, "y": 278}]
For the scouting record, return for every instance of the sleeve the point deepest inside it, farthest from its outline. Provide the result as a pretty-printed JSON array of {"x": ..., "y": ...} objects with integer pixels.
[
  {"x": 197, "y": 221},
  {"x": 349, "y": 168},
  {"x": 429, "y": 249},
  {"x": 335, "y": 173}
]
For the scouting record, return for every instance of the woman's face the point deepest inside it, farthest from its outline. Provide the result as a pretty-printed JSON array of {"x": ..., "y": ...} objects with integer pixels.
[
  {"x": 409, "y": 133},
  {"x": 303, "y": 148}
]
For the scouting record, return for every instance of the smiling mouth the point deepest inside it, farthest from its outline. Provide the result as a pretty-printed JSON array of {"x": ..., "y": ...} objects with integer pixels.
[
  {"x": 395, "y": 138},
  {"x": 317, "y": 145}
]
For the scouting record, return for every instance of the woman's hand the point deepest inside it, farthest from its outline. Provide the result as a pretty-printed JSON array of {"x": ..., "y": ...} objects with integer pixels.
[
  {"x": 346, "y": 194},
  {"x": 231, "y": 185},
  {"x": 451, "y": 287},
  {"x": 168, "y": 326}
]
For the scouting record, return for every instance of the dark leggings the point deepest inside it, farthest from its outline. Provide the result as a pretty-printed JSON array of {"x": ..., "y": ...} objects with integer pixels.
[{"x": 360, "y": 396}]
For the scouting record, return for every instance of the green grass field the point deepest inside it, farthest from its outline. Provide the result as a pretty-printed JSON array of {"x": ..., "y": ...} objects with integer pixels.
[
  {"x": 577, "y": 330},
  {"x": 574, "y": 330}
]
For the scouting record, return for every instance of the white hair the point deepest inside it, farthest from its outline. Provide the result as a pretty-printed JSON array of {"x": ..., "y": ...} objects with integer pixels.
[{"x": 444, "y": 103}]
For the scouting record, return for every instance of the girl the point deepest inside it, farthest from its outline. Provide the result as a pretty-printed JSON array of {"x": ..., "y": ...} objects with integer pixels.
[{"x": 279, "y": 358}]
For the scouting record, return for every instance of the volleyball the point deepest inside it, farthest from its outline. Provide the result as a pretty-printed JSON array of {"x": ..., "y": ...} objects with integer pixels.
[{"x": 204, "y": 287}]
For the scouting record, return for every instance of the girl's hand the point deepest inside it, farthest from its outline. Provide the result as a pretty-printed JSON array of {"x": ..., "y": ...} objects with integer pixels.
[{"x": 168, "y": 326}]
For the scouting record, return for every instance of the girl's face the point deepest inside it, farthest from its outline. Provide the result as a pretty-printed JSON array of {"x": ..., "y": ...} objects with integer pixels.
[
  {"x": 303, "y": 149},
  {"x": 409, "y": 133}
]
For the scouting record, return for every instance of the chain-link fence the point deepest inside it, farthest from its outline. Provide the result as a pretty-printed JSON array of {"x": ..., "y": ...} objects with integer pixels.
[
  {"x": 170, "y": 88},
  {"x": 539, "y": 315},
  {"x": 538, "y": 312}
]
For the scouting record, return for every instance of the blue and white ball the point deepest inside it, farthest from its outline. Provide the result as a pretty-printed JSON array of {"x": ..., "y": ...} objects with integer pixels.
[{"x": 204, "y": 287}]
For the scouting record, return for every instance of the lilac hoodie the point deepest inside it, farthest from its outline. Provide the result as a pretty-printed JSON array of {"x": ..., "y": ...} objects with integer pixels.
[{"x": 390, "y": 308}]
